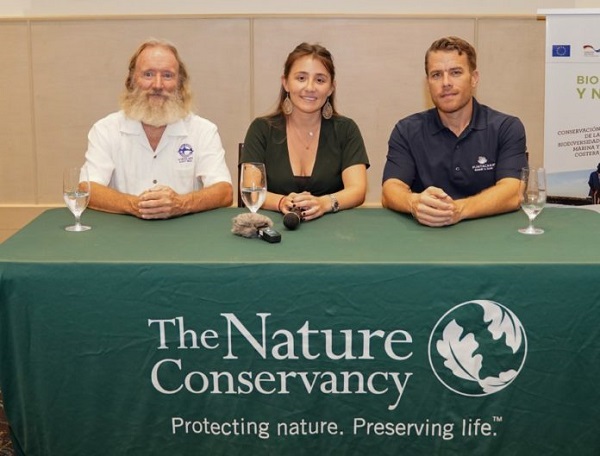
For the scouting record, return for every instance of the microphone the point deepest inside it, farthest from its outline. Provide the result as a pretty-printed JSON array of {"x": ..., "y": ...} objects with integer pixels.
[{"x": 292, "y": 219}]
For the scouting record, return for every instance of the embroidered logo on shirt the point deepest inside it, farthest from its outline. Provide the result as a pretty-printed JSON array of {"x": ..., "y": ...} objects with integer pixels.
[
  {"x": 186, "y": 153},
  {"x": 483, "y": 165}
]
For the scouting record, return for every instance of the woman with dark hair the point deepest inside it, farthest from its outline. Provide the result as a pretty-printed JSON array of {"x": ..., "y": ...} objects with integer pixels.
[{"x": 315, "y": 158}]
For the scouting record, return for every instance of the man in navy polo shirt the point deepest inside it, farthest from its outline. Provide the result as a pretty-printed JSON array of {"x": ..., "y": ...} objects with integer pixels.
[{"x": 459, "y": 160}]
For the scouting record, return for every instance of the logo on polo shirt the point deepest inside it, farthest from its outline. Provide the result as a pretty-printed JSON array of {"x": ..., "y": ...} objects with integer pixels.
[
  {"x": 483, "y": 165},
  {"x": 477, "y": 348},
  {"x": 186, "y": 153}
]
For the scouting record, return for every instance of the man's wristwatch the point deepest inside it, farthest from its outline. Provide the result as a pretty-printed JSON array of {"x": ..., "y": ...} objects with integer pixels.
[{"x": 335, "y": 205}]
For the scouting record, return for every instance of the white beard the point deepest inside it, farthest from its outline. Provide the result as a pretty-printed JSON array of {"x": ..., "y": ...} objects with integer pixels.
[{"x": 139, "y": 105}]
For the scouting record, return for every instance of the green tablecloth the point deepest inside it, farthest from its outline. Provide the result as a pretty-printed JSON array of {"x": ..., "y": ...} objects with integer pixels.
[{"x": 360, "y": 333}]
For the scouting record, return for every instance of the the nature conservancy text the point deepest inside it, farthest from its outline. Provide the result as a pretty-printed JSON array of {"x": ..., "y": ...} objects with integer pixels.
[{"x": 279, "y": 344}]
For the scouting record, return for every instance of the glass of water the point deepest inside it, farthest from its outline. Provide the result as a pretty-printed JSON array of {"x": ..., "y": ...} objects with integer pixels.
[
  {"x": 76, "y": 192},
  {"x": 533, "y": 196},
  {"x": 253, "y": 185}
]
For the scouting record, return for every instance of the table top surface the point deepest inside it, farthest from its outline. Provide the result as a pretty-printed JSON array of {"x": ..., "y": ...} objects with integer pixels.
[{"x": 363, "y": 235}]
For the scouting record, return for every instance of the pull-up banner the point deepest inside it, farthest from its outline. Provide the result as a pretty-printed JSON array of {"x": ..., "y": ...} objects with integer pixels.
[{"x": 572, "y": 108}]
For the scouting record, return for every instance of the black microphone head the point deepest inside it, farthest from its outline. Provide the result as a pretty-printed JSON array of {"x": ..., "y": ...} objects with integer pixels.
[{"x": 291, "y": 220}]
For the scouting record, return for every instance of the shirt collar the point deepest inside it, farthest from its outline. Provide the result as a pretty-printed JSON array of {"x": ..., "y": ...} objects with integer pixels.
[{"x": 478, "y": 121}]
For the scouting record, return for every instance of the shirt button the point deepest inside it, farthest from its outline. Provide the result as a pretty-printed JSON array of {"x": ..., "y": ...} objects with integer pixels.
[
  {"x": 457, "y": 169},
  {"x": 154, "y": 181}
]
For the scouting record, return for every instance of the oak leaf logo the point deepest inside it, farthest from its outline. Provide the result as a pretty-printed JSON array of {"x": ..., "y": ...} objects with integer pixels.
[{"x": 456, "y": 344}]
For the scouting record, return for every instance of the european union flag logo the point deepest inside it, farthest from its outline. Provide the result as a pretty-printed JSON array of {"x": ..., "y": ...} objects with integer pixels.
[{"x": 561, "y": 50}]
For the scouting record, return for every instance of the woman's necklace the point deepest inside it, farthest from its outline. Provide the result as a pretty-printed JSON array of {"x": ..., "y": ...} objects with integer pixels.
[{"x": 307, "y": 138}]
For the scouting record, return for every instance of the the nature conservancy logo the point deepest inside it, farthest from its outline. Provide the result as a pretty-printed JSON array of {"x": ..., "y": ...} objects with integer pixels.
[
  {"x": 477, "y": 348},
  {"x": 237, "y": 340}
]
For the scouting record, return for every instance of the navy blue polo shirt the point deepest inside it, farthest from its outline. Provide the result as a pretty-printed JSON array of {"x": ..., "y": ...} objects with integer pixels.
[{"x": 422, "y": 152}]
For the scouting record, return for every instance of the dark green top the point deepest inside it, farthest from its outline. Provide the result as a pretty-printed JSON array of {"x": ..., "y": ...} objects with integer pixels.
[{"x": 340, "y": 145}]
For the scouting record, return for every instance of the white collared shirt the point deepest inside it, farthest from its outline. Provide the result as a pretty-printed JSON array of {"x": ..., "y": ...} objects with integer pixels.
[{"x": 190, "y": 155}]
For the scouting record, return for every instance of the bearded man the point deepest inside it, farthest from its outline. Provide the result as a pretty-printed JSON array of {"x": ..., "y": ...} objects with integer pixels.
[{"x": 154, "y": 158}]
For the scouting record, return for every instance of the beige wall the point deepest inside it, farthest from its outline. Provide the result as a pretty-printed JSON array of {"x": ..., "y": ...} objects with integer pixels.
[
  {"x": 61, "y": 75},
  {"x": 30, "y": 8}
]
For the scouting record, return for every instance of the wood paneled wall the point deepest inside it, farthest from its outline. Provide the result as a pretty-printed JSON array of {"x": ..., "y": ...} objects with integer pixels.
[{"x": 61, "y": 75}]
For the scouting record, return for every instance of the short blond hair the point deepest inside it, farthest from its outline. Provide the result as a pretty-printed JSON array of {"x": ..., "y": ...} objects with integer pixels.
[{"x": 453, "y": 43}]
